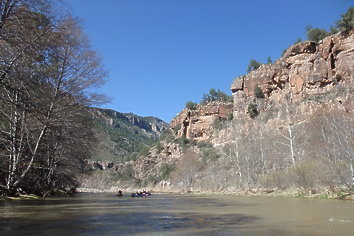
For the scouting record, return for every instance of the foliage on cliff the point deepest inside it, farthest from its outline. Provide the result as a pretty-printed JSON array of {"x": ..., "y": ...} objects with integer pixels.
[
  {"x": 121, "y": 135},
  {"x": 215, "y": 96}
]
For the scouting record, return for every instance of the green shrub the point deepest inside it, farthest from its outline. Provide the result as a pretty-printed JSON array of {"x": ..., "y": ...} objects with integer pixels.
[
  {"x": 347, "y": 20},
  {"x": 176, "y": 128},
  {"x": 316, "y": 34},
  {"x": 269, "y": 60},
  {"x": 216, "y": 95},
  {"x": 258, "y": 92},
  {"x": 252, "y": 110},
  {"x": 218, "y": 123},
  {"x": 130, "y": 157},
  {"x": 253, "y": 65},
  {"x": 298, "y": 40},
  {"x": 183, "y": 142},
  {"x": 144, "y": 151},
  {"x": 159, "y": 147},
  {"x": 342, "y": 195},
  {"x": 230, "y": 116},
  {"x": 167, "y": 135},
  {"x": 191, "y": 105}
]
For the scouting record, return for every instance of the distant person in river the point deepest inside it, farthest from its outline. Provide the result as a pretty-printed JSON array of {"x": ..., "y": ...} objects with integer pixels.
[{"x": 120, "y": 193}]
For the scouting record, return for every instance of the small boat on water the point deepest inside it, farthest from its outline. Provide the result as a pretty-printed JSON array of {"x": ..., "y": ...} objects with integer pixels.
[
  {"x": 119, "y": 193},
  {"x": 141, "y": 194}
]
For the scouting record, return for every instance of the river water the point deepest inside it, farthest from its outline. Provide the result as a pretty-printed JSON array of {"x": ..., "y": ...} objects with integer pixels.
[{"x": 167, "y": 214}]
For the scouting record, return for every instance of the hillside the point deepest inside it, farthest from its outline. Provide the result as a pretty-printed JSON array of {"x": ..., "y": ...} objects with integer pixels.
[
  {"x": 292, "y": 128},
  {"x": 122, "y": 134}
]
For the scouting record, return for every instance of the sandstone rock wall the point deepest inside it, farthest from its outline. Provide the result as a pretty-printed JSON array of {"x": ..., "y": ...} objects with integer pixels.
[
  {"x": 151, "y": 163},
  {"x": 196, "y": 124},
  {"x": 306, "y": 68},
  {"x": 305, "y": 83}
]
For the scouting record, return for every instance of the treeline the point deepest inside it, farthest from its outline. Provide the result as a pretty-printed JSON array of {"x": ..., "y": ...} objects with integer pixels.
[
  {"x": 213, "y": 96},
  {"x": 46, "y": 66}
]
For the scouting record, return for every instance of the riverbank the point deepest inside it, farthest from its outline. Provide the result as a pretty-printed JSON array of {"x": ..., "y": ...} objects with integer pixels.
[
  {"x": 342, "y": 195},
  {"x": 289, "y": 193},
  {"x": 21, "y": 197},
  {"x": 292, "y": 193},
  {"x": 25, "y": 196}
]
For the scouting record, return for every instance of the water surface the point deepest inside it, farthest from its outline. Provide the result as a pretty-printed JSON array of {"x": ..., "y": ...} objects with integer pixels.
[{"x": 166, "y": 214}]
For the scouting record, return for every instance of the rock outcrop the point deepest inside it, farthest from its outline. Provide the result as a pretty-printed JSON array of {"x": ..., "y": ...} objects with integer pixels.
[
  {"x": 150, "y": 164},
  {"x": 308, "y": 67},
  {"x": 196, "y": 124},
  {"x": 99, "y": 165}
]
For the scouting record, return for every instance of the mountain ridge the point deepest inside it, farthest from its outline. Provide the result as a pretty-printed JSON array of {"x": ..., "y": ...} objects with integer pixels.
[{"x": 122, "y": 134}]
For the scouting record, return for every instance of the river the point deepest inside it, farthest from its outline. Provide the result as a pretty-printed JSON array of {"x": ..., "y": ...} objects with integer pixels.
[{"x": 168, "y": 214}]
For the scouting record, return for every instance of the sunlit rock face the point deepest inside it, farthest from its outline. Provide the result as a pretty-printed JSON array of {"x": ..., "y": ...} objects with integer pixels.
[
  {"x": 197, "y": 124},
  {"x": 306, "y": 68},
  {"x": 312, "y": 82}
]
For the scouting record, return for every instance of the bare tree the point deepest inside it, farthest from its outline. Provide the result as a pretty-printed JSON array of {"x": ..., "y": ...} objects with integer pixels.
[
  {"x": 187, "y": 170},
  {"x": 43, "y": 97},
  {"x": 337, "y": 136}
]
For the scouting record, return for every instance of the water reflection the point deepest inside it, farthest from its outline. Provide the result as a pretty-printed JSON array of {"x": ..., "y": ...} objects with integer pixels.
[{"x": 104, "y": 214}]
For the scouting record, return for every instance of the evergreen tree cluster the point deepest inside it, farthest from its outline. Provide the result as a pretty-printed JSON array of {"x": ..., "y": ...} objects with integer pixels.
[
  {"x": 345, "y": 23},
  {"x": 213, "y": 96},
  {"x": 216, "y": 96}
]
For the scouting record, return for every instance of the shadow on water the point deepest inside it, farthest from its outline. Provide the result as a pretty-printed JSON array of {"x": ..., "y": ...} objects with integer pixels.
[
  {"x": 128, "y": 223},
  {"x": 103, "y": 214},
  {"x": 168, "y": 214}
]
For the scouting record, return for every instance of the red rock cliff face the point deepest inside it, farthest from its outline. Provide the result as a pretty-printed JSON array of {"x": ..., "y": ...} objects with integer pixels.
[
  {"x": 196, "y": 124},
  {"x": 308, "y": 67}
]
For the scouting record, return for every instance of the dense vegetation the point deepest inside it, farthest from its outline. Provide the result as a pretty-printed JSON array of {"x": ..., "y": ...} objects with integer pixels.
[
  {"x": 46, "y": 68},
  {"x": 125, "y": 135}
]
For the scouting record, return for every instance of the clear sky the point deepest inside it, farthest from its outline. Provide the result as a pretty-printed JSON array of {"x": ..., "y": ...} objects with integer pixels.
[{"x": 162, "y": 53}]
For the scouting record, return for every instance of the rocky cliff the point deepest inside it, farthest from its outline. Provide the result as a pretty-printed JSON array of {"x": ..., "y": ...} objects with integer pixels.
[
  {"x": 307, "y": 68},
  {"x": 197, "y": 124},
  {"x": 295, "y": 134},
  {"x": 298, "y": 133}
]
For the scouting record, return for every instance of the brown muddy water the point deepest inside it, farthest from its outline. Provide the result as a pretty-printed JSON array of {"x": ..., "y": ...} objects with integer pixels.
[{"x": 167, "y": 214}]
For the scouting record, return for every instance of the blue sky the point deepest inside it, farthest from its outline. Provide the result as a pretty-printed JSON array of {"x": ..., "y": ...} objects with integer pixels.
[{"x": 162, "y": 53}]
